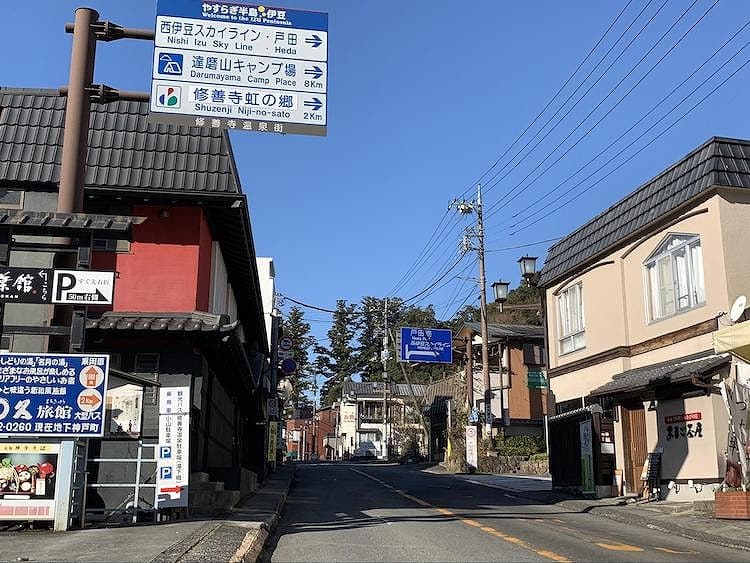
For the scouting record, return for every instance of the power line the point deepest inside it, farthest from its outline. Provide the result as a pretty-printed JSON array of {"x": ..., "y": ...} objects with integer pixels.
[
  {"x": 552, "y": 99},
  {"x": 572, "y": 94},
  {"x": 300, "y": 303},
  {"x": 408, "y": 274},
  {"x": 496, "y": 205},
  {"x": 621, "y": 136},
  {"x": 652, "y": 141},
  {"x": 576, "y": 90},
  {"x": 433, "y": 284},
  {"x": 516, "y": 247}
]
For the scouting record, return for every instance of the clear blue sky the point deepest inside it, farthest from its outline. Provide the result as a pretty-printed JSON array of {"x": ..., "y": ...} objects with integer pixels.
[{"x": 425, "y": 96}]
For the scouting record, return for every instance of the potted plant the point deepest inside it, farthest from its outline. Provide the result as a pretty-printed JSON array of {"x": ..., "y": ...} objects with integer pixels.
[{"x": 732, "y": 500}]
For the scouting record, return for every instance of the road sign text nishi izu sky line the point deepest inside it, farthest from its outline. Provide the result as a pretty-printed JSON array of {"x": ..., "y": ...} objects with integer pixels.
[{"x": 240, "y": 66}]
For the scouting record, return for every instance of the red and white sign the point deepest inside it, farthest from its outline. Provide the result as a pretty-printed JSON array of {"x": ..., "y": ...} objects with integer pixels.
[{"x": 687, "y": 417}]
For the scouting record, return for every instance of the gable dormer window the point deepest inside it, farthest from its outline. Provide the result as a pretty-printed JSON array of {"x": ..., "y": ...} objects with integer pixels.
[{"x": 674, "y": 277}]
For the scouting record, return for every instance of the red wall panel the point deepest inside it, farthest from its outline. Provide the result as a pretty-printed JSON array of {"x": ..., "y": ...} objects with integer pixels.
[{"x": 169, "y": 266}]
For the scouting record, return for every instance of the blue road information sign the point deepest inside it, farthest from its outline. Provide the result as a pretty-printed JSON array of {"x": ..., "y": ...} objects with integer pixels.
[
  {"x": 53, "y": 394},
  {"x": 430, "y": 345},
  {"x": 240, "y": 66}
]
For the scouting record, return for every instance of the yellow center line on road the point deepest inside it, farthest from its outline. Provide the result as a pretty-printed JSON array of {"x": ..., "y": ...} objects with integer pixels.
[
  {"x": 675, "y": 552},
  {"x": 619, "y": 546},
  {"x": 469, "y": 522}
]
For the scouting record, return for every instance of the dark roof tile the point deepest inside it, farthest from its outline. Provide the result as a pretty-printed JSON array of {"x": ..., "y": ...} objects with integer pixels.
[
  {"x": 121, "y": 142},
  {"x": 718, "y": 162}
]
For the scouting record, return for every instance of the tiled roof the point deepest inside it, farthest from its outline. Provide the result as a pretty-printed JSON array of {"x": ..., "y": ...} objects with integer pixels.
[
  {"x": 28, "y": 221},
  {"x": 509, "y": 331},
  {"x": 187, "y": 322},
  {"x": 718, "y": 162},
  {"x": 125, "y": 152},
  {"x": 673, "y": 371},
  {"x": 375, "y": 389}
]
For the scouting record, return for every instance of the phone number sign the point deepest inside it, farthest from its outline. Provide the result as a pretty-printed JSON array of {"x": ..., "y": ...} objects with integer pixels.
[{"x": 53, "y": 394}]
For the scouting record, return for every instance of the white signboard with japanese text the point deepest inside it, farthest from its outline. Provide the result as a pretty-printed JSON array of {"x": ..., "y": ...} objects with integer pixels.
[
  {"x": 240, "y": 66},
  {"x": 471, "y": 447},
  {"x": 44, "y": 285},
  {"x": 173, "y": 465},
  {"x": 83, "y": 287}
]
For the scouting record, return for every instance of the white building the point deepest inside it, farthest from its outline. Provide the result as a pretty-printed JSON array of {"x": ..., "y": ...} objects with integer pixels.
[{"x": 377, "y": 419}]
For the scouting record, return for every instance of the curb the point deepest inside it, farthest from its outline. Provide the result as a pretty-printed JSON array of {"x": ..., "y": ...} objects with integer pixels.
[
  {"x": 255, "y": 540},
  {"x": 674, "y": 529}
]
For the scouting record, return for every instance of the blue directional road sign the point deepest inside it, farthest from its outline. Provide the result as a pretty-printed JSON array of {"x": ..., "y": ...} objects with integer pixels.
[
  {"x": 240, "y": 65},
  {"x": 428, "y": 345}
]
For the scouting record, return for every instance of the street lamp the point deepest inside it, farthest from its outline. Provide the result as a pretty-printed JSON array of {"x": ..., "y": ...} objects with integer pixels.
[
  {"x": 528, "y": 266},
  {"x": 500, "y": 289}
]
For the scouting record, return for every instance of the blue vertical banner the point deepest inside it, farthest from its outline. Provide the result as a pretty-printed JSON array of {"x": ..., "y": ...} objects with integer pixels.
[{"x": 53, "y": 394}]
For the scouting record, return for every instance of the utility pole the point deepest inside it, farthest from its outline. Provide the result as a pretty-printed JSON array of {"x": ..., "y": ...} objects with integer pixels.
[
  {"x": 467, "y": 207},
  {"x": 384, "y": 356}
]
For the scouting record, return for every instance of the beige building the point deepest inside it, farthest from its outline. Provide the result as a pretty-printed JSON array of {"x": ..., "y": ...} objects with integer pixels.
[{"x": 632, "y": 300}]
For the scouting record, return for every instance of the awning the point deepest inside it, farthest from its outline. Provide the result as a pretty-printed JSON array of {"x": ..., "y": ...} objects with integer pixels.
[
  {"x": 679, "y": 370},
  {"x": 734, "y": 339}
]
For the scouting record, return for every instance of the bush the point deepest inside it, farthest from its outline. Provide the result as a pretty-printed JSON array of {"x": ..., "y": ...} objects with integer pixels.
[{"x": 521, "y": 446}]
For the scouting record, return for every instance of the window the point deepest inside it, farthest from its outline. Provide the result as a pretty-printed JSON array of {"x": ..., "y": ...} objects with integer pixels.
[
  {"x": 572, "y": 333},
  {"x": 371, "y": 411},
  {"x": 674, "y": 277},
  {"x": 146, "y": 364},
  {"x": 112, "y": 245},
  {"x": 12, "y": 199}
]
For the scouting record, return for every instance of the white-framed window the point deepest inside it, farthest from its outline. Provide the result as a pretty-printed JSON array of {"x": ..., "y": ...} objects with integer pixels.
[
  {"x": 572, "y": 327},
  {"x": 674, "y": 277}
]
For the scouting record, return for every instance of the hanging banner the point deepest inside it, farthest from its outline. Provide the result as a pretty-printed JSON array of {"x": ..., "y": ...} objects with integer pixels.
[
  {"x": 587, "y": 457},
  {"x": 173, "y": 466},
  {"x": 471, "y": 447},
  {"x": 273, "y": 428}
]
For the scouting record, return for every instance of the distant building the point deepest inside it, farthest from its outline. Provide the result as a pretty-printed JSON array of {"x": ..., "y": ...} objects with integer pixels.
[
  {"x": 517, "y": 375},
  {"x": 379, "y": 420}
]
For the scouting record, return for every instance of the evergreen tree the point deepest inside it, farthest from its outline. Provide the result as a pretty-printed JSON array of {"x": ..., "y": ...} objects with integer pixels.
[
  {"x": 295, "y": 327},
  {"x": 341, "y": 358}
]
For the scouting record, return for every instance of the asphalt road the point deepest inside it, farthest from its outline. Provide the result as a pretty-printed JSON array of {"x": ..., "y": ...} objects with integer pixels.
[{"x": 361, "y": 512}]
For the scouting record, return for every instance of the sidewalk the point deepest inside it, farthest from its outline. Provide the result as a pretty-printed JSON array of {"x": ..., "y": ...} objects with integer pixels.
[
  {"x": 676, "y": 518},
  {"x": 237, "y": 536}
]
